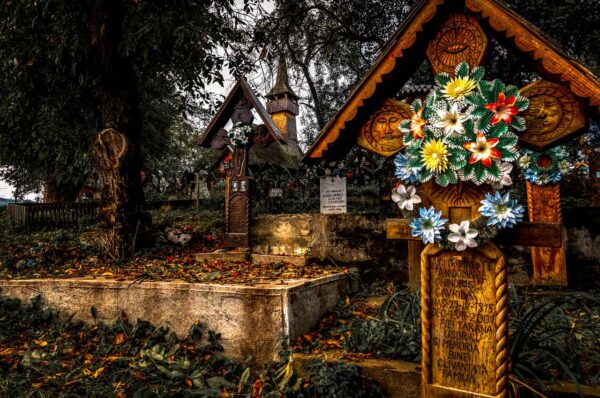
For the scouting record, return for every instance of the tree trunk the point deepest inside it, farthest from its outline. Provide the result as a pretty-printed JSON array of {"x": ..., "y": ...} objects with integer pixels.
[
  {"x": 116, "y": 150},
  {"x": 55, "y": 192}
]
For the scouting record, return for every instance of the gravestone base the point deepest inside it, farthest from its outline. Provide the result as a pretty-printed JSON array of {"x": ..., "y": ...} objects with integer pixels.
[{"x": 256, "y": 321}]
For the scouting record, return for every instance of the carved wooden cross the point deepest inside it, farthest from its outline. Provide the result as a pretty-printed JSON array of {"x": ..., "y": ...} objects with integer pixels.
[
  {"x": 535, "y": 234},
  {"x": 238, "y": 194}
]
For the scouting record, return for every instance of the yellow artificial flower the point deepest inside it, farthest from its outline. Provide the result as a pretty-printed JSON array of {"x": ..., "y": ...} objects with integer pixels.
[
  {"x": 435, "y": 156},
  {"x": 458, "y": 87}
]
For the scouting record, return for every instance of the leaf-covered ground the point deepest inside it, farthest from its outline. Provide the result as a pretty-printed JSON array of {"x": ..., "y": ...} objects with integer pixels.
[
  {"x": 73, "y": 252},
  {"x": 44, "y": 355},
  {"x": 378, "y": 322}
]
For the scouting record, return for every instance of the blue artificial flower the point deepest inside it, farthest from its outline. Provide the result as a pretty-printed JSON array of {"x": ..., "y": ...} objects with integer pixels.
[
  {"x": 555, "y": 177},
  {"x": 407, "y": 175},
  {"x": 501, "y": 210},
  {"x": 531, "y": 176},
  {"x": 429, "y": 225}
]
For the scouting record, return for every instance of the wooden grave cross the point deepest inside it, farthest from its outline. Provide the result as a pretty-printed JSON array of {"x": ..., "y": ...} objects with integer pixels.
[
  {"x": 464, "y": 298},
  {"x": 238, "y": 197}
]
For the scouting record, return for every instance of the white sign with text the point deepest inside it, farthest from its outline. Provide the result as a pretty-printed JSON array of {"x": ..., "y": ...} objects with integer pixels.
[{"x": 333, "y": 195}]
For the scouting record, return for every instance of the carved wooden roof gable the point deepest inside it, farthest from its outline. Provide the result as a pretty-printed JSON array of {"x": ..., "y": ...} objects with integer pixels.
[
  {"x": 409, "y": 46},
  {"x": 240, "y": 96}
]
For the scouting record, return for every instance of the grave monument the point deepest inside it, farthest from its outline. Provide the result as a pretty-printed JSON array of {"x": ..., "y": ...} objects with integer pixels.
[{"x": 458, "y": 147}]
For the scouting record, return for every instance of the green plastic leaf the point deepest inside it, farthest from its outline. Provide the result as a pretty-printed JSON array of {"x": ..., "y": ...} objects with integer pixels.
[
  {"x": 483, "y": 124},
  {"x": 478, "y": 73},
  {"x": 518, "y": 123},
  {"x": 479, "y": 172},
  {"x": 462, "y": 69},
  {"x": 442, "y": 79}
]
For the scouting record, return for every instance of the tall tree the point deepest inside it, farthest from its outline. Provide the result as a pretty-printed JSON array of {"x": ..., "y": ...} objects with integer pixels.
[{"x": 83, "y": 74}]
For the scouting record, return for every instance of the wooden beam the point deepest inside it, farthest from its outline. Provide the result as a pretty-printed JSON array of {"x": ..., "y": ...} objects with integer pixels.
[
  {"x": 523, "y": 234},
  {"x": 532, "y": 234},
  {"x": 399, "y": 229}
]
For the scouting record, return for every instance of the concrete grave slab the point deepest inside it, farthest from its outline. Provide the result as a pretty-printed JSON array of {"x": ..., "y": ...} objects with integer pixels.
[{"x": 253, "y": 321}]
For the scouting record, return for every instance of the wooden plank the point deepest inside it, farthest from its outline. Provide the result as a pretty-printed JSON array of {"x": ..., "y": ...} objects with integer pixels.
[
  {"x": 399, "y": 229},
  {"x": 464, "y": 314},
  {"x": 544, "y": 55},
  {"x": 549, "y": 263},
  {"x": 415, "y": 248},
  {"x": 533, "y": 234},
  {"x": 523, "y": 234}
]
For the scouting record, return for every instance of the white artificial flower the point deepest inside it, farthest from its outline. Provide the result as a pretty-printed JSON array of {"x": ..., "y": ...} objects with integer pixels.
[
  {"x": 405, "y": 197},
  {"x": 564, "y": 166},
  {"x": 505, "y": 179},
  {"x": 462, "y": 235},
  {"x": 451, "y": 120},
  {"x": 524, "y": 161}
]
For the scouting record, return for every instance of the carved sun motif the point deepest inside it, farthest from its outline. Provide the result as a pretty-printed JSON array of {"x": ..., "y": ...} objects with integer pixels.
[
  {"x": 460, "y": 38},
  {"x": 381, "y": 134},
  {"x": 553, "y": 113}
]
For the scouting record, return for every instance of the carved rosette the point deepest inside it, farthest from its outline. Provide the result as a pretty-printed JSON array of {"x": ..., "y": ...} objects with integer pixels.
[
  {"x": 554, "y": 114},
  {"x": 460, "y": 38},
  {"x": 380, "y": 134}
]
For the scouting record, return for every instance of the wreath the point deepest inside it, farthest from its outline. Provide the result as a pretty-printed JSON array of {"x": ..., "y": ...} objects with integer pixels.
[{"x": 546, "y": 167}]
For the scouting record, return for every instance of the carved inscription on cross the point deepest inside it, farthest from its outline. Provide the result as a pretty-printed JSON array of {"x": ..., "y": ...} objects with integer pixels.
[
  {"x": 464, "y": 310},
  {"x": 464, "y": 301}
]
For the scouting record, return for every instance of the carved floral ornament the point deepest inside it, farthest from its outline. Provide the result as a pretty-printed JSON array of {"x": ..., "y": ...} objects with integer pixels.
[{"x": 461, "y": 144}]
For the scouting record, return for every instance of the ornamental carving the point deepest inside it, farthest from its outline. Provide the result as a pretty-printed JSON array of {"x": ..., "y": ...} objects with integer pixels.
[
  {"x": 381, "y": 133},
  {"x": 457, "y": 202},
  {"x": 460, "y": 38},
  {"x": 554, "y": 113},
  {"x": 242, "y": 112}
]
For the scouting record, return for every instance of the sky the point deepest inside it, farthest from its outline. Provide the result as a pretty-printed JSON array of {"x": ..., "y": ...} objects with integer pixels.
[{"x": 5, "y": 190}]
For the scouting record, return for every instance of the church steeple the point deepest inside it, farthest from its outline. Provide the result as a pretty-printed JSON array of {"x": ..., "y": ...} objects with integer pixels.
[
  {"x": 282, "y": 105},
  {"x": 282, "y": 84}
]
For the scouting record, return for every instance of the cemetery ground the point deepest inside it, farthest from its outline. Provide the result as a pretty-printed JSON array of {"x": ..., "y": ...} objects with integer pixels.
[{"x": 369, "y": 345}]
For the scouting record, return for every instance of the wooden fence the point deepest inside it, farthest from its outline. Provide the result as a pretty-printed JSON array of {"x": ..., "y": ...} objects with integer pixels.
[
  {"x": 39, "y": 214},
  {"x": 52, "y": 214}
]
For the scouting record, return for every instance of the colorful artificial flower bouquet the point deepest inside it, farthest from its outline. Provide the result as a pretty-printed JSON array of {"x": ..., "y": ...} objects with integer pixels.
[{"x": 462, "y": 132}]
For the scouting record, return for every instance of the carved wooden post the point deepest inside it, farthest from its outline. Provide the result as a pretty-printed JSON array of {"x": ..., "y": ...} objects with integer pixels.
[
  {"x": 549, "y": 263},
  {"x": 464, "y": 315},
  {"x": 238, "y": 202}
]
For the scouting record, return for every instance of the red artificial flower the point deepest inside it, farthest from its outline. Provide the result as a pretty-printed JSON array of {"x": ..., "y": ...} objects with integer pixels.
[
  {"x": 503, "y": 109},
  {"x": 416, "y": 124},
  {"x": 482, "y": 150}
]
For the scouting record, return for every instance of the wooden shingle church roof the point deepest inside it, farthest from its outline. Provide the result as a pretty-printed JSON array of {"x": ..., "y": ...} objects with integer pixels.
[{"x": 407, "y": 49}]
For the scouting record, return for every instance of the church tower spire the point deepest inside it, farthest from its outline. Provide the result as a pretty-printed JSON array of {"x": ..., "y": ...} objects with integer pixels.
[{"x": 282, "y": 105}]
